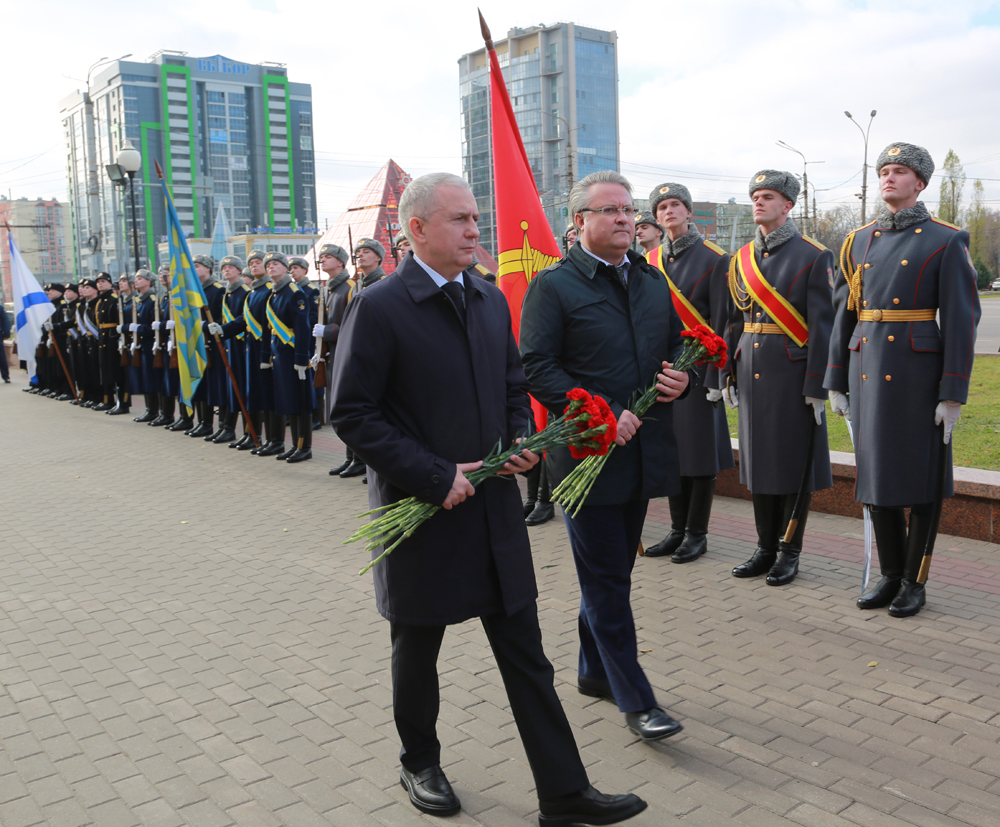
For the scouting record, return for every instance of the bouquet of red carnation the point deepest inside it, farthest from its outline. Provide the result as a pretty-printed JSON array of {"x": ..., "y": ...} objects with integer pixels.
[
  {"x": 587, "y": 425},
  {"x": 701, "y": 347}
]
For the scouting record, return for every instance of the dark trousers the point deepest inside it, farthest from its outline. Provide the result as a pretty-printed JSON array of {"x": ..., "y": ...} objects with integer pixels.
[
  {"x": 528, "y": 678},
  {"x": 605, "y": 541},
  {"x": 4, "y": 370}
]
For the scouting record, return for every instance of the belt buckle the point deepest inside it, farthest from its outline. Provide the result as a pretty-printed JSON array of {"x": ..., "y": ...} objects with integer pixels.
[
  {"x": 876, "y": 315},
  {"x": 757, "y": 327}
]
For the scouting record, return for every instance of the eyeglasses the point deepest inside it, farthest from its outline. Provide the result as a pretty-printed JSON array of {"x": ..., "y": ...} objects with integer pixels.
[{"x": 612, "y": 212}]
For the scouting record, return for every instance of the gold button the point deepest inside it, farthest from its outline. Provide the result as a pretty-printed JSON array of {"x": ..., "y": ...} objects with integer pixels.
[
  {"x": 918, "y": 230},
  {"x": 756, "y": 344},
  {"x": 756, "y": 376},
  {"x": 865, "y": 340},
  {"x": 864, "y": 304},
  {"x": 877, "y": 234},
  {"x": 758, "y": 315},
  {"x": 888, "y": 378},
  {"x": 766, "y": 255},
  {"x": 863, "y": 376},
  {"x": 892, "y": 338},
  {"x": 867, "y": 266},
  {"x": 905, "y": 262},
  {"x": 671, "y": 258},
  {"x": 895, "y": 301}
]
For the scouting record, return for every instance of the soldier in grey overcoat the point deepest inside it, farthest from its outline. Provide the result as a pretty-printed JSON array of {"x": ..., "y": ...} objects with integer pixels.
[
  {"x": 781, "y": 397},
  {"x": 698, "y": 269},
  {"x": 900, "y": 358}
]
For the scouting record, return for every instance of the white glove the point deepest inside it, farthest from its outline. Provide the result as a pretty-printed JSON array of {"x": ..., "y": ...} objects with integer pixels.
[
  {"x": 301, "y": 371},
  {"x": 170, "y": 346},
  {"x": 947, "y": 412},
  {"x": 134, "y": 347},
  {"x": 731, "y": 398},
  {"x": 318, "y": 330},
  {"x": 156, "y": 325},
  {"x": 170, "y": 324},
  {"x": 314, "y": 361},
  {"x": 713, "y": 395},
  {"x": 118, "y": 329},
  {"x": 840, "y": 404},
  {"x": 818, "y": 406},
  {"x": 132, "y": 328},
  {"x": 265, "y": 365},
  {"x": 215, "y": 328}
]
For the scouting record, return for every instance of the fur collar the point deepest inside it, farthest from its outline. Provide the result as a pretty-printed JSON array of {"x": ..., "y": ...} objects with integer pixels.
[
  {"x": 686, "y": 241},
  {"x": 904, "y": 218},
  {"x": 772, "y": 241},
  {"x": 261, "y": 282},
  {"x": 284, "y": 281},
  {"x": 337, "y": 280}
]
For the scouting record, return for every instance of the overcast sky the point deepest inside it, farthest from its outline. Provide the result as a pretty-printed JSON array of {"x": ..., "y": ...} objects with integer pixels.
[{"x": 706, "y": 89}]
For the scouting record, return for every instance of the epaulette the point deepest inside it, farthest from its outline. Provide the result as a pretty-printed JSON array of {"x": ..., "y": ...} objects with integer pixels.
[
  {"x": 814, "y": 243},
  {"x": 245, "y": 288},
  {"x": 295, "y": 287},
  {"x": 946, "y": 223},
  {"x": 715, "y": 248},
  {"x": 268, "y": 284},
  {"x": 484, "y": 271}
]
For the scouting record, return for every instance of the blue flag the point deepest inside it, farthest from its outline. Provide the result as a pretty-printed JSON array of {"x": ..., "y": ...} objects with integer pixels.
[{"x": 187, "y": 298}]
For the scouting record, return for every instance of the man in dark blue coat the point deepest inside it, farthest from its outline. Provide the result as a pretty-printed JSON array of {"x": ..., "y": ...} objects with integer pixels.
[
  {"x": 602, "y": 319},
  {"x": 426, "y": 381}
]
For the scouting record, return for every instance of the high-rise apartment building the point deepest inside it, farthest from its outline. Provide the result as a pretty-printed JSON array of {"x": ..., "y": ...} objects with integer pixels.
[
  {"x": 230, "y": 134},
  {"x": 563, "y": 85},
  {"x": 41, "y": 230}
]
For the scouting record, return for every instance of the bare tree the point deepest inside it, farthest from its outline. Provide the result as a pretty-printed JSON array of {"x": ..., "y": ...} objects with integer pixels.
[{"x": 832, "y": 226}]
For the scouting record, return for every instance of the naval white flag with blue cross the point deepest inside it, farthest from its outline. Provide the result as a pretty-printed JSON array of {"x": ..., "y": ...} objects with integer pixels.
[{"x": 32, "y": 307}]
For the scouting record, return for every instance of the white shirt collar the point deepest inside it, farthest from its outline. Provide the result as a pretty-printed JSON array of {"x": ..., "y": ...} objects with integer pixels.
[
  {"x": 439, "y": 280},
  {"x": 623, "y": 263}
]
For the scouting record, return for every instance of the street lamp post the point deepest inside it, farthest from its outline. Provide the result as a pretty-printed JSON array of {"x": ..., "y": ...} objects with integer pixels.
[
  {"x": 864, "y": 173},
  {"x": 130, "y": 160},
  {"x": 805, "y": 183}
]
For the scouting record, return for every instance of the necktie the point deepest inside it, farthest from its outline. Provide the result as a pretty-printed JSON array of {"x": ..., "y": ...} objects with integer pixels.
[
  {"x": 456, "y": 293},
  {"x": 620, "y": 272}
]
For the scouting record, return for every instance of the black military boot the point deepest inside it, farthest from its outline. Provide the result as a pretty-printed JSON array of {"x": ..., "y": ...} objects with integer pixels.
[
  {"x": 767, "y": 516},
  {"x": 123, "y": 405},
  {"x": 532, "y": 478},
  {"x": 294, "y": 423},
  {"x": 275, "y": 435},
  {"x": 786, "y": 566},
  {"x": 303, "y": 450},
  {"x": 152, "y": 409},
  {"x": 544, "y": 510},
  {"x": 678, "y": 522},
  {"x": 214, "y": 436},
  {"x": 348, "y": 459},
  {"x": 206, "y": 417},
  {"x": 105, "y": 403},
  {"x": 912, "y": 594},
  {"x": 890, "y": 537},
  {"x": 227, "y": 427},
  {"x": 355, "y": 469},
  {"x": 695, "y": 541},
  {"x": 256, "y": 419},
  {"x": 166, "y": 416},
  {"x": 264, "y": 433},
  {"x": 183, "y": 422}
]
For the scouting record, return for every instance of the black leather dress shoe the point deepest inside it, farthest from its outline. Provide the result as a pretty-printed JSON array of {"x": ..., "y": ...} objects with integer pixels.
[
  {"x": 595, "y": 688},
  {"x": 119, "y": 411},
  {"x": 271, "y": 449},
  {"x": 652, "y": 725},
  {"x": 757, "y": 565},
  {"x": 336, "y": 472},
  {"x": 667, "y": 546},
  {"x": 881, "y": 594},
  {"x": 300, "y": 455},
  {"x": 430, "y": 791},
  {"x": 542, "y": 513},
  {"x": 285, "y": 454},
  {"x": 588, "y": 807},
  {"x": 785, "y": 567},
  {"x": 910, "y": 600},
  {"x": 224, "y": 436},
  {"x": 355, "y": 469},
  {"x": 241, "y": 441}
]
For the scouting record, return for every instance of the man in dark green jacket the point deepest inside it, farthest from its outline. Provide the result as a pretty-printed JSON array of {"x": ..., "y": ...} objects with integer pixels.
[{"x": 603, "y": 319}]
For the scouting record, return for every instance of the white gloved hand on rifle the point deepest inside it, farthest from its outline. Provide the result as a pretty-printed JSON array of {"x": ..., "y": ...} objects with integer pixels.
[
  {"x": 818, "y": 406},
  {"x": 314, "y": 362},
  {"x": 265, "y": 365},
  {"x": 318, "y": 330},
  {"x": 840, "y": 404},
  {"x": 170, "y": 324},
  {"x": 714, "y": 395},
  {"x": 133, "y": 327},
  {"x": 156, "y": 325},
  {"x": 118, "y": 329},
  {"x": 947, "y": 412},
  {"x": 215, "y": 328}
]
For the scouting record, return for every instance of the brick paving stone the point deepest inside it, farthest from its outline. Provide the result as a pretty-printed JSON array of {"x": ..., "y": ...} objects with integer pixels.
[{"x": 226, "y": 671}]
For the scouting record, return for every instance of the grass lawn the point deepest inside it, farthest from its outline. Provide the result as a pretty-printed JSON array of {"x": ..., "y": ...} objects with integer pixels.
[{"x": 977, "y": 435}]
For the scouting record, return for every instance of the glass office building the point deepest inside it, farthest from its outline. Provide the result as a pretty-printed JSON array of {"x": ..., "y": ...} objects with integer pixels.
[
  {"x": 225, "y": 133},
  {"x": 563, "y": 85}
]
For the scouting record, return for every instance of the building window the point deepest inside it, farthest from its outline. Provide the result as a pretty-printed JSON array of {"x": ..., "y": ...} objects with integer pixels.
[{"x": 217, "y": 97}]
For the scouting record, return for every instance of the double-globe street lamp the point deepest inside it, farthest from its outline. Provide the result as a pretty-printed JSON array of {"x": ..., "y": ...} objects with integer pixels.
[
  {"x": 129, "y": 162},
  {"x": 864, "y": 174}
]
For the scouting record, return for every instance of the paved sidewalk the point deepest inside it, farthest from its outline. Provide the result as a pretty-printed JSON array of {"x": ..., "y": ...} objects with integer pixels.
[{"x": 184, "y": 641}]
